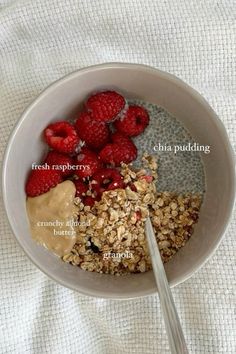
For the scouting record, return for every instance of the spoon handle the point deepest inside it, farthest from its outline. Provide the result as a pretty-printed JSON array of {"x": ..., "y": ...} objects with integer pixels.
[{"x": 173, "y": 327}]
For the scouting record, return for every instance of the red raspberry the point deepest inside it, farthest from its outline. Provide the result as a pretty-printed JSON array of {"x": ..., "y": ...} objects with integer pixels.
[
  {"x": 81, "y": 188},
  {"x": 95, "y": 133},
  {"x": 62, "y": 137},
  {"x": 122, "y": 150},
  {"x": 58, "y": 160},
  {"x": 105, "y": 106},
  {"x": 40, "y": 181},
  {"x": 121, "y": 139},
  {"x": 107, "y": 179},
  {"x": 135, "y": 120},
  {"x": 89, "y": 201},
  {"x": 89, "y": 161}
]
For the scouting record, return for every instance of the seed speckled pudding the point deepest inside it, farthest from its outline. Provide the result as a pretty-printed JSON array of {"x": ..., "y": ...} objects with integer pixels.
[{"x": 182, "y": 172}]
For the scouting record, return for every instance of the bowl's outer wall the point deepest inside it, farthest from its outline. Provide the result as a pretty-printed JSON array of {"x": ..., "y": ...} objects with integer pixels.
[{"x": 60, "y": 101}]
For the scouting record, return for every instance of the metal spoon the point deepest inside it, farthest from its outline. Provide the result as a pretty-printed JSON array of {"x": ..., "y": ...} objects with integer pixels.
[{"x": 173, "y": 327}]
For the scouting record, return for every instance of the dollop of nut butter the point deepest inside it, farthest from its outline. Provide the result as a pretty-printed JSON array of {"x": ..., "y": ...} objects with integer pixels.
[{"x": 51, "y": 216}]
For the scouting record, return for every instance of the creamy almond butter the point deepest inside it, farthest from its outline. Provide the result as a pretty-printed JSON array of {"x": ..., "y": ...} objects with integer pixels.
[{"x": 51, "y": 217}]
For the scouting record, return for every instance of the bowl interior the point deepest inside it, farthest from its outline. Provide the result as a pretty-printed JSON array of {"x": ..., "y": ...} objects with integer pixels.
[{"x": 136, "y": 81}]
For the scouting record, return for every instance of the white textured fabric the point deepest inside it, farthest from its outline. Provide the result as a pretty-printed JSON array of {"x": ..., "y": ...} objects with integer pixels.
[{"x": 40, "y": 41}]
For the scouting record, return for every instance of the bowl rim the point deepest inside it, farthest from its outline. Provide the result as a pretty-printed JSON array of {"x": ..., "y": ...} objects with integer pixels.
[{"x": 133, "y": 66}]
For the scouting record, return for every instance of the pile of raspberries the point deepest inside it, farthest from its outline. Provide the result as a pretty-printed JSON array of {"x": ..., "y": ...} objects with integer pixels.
[{"x": 100, "y": 139}]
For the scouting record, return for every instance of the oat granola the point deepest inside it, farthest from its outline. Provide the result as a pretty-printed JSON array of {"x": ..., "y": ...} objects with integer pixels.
[{"x": 115, "y": 225}]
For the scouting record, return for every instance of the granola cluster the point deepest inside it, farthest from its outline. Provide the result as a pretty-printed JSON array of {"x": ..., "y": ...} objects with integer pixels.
[{"x": 110, "y": 235}]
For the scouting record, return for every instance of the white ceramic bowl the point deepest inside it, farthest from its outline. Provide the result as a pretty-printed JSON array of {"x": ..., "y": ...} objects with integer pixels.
[{"x": 60, "y": 100}]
